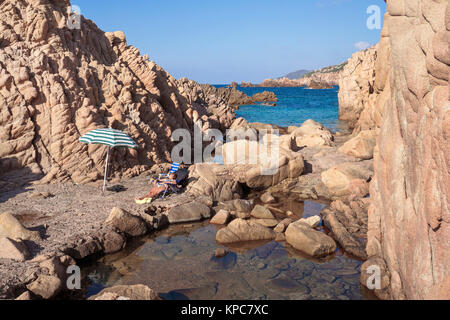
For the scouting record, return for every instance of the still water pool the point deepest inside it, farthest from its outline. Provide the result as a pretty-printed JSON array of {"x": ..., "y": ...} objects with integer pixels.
[{"x": 179, "y": 263}]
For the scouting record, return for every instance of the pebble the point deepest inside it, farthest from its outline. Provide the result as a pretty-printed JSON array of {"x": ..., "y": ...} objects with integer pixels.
[
  {"x": 261, "y": 266},
  {"x": 221, "y": 252}
]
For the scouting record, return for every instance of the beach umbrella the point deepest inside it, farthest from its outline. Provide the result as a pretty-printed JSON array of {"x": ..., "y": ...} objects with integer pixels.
[{"x": 110, "y": 138}]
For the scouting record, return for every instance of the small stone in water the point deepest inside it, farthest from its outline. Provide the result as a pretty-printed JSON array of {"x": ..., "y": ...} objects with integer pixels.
[
  {"x": 221, "y": 252},
  {"x": 261, "y": 266}
]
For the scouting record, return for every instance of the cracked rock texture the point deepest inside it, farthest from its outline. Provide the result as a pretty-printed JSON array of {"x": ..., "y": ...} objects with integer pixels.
[
  {"x": 401, "y": 89},
  {"x": 58, "y": 83},
  {"x": 410, "y": 212}
]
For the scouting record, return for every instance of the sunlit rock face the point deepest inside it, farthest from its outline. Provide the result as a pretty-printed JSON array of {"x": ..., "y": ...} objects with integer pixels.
[
  {"x": 356, "y": 87},
  {"x": 58, "y": 81},
  {"x": 409, "y": 215}
]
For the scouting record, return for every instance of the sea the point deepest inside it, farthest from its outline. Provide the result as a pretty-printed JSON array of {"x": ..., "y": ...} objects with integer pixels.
[{"x": 294, "y": 106}]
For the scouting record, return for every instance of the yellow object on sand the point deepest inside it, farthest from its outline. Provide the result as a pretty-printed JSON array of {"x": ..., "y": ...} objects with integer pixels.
[{"x": 144, "y": 201}]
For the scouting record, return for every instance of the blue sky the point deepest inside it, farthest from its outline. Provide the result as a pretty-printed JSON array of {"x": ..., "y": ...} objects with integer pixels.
[{"x": 223, "y": 41}]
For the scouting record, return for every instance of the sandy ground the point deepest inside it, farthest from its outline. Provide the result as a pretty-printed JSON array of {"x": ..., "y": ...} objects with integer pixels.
[{"x": 72, "y": 213}]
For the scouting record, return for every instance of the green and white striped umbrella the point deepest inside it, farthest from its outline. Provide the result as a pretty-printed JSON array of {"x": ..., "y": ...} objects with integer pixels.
[
  {"x": 108, "y": 137},
  {"x": 111, "y": 138}
]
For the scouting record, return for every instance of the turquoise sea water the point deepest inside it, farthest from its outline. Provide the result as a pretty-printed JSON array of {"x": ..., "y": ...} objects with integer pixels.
[{"x": 295, "y": 106}]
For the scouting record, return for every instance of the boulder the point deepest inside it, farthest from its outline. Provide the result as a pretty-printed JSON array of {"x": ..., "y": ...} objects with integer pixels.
[
  {"x": 261, "y": 164},
  {"x": 239, "y": 123},
  {"x": 239, "y": 205},
  {"x": 240, "y": 230},
  {"x": 11, "y": 249},
  {"x": 282, "y": 225},
  {"x": 319, "y": 85},
  {"x": 110, "y": 296},
  {"x": 213, "y": 180},
  {"x": 112, "y": 242},
  {"x": 241, "y": 214},
  {"x": 348, "y": 222},
  {"x": 261, "y": 212},
  {"x": 25, "y": 296},
  {"x": 312, "y": 134},
  {"x": 131, "y": 225},
  {"x": 43, "y": 195},
  {"x": 280, "y": 237},
  {"x": 221, "y": 252},
  {"x": 313, "y": 221},
  {"x": 267, "y": 198},
  {"x": 221, "y": 217},
  {"x": 361, "y": 146},
  {"x": 270, "y": 223},
  {"x": 87, "y": 248},
  {"x": 346, "y": 178},
  {"x": 367, "y": 270},
  {"x": 189, "y": 212},
  {"x": 46, "y": 287},
  {"x": 11, "y": 227},
  {"x": 57, "y": 266},
  {"x": 266, "y": 96},
  {"x": 123, "y": 292},
  {"x": 304, "y": 238}
]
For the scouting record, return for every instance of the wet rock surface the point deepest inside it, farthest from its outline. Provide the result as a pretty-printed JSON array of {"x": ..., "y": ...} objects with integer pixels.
[
  {"x": 126, "y": 222},
  {"x": 348, "y": 222},
  {"x": 193, "y": 211},
  {"x": 259, "y": 271},
  {"x": 135, "y": 292},
  {"x": 221, "y": 217},
  {"x": 240, "y": 230},
  {"x": 303, "y": 237}
]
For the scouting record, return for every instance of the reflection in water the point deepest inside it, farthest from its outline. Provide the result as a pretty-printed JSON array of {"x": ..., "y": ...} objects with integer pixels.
[{"x": 180, "y": 264}]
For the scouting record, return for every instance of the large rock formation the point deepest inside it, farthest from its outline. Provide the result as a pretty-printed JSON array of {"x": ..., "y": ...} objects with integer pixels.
[
  {"x": 356, "y": 86},
  {"x": 410, "y": 212},
  {"x": 407, "y": 98},
  {"x": 246, "y": 163},
  {"x": 57, "y": 83},
  {"x": 218, "y": 101}
]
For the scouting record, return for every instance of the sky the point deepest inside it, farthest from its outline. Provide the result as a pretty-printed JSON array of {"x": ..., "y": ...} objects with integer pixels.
[{"x": 218, "y": 42}]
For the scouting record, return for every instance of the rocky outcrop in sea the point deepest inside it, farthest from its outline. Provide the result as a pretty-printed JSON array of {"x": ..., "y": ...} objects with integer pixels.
[{"x": 320, "y": 79}]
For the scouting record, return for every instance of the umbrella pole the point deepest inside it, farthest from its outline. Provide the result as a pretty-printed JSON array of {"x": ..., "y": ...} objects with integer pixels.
[{"x": 106, "y": 172}]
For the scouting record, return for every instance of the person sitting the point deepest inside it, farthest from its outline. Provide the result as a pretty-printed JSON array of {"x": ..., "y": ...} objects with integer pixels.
[{"x": 159, "y": 186}]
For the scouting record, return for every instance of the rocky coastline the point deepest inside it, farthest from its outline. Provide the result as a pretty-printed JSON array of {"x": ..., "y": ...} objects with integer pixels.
[
  {"x": 44, "y": 228},
  {"x": 104, "y": 225},
  {"x": 325, "y": 78},
  {"x": 385, "y": 181}
]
